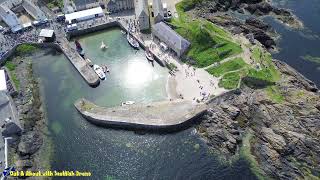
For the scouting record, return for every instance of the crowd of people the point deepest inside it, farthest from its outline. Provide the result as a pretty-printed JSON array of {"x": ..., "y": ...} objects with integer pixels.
[{"x": 9, "y": 40}]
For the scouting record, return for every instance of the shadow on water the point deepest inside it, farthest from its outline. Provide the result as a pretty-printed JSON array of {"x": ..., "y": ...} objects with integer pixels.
[{"x": 119, "y": 154}]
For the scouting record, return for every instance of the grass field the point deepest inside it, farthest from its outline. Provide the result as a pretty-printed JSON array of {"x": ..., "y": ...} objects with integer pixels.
[
  {"x": 209, "y": 43},
  {"x": 232, "y": 65},
  {"x": 230, "y": 80}
]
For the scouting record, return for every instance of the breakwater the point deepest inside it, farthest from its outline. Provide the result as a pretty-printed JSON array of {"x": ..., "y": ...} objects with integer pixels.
[{"x": 157, "y": 116}]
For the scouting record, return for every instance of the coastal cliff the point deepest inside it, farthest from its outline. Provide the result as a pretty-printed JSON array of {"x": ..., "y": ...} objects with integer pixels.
[
  {"x": 231, "y": 13},
  {"x": 30, "y": 150},
  {"x": 284, "y": 136},
  {"x": 275, "y": 125}
]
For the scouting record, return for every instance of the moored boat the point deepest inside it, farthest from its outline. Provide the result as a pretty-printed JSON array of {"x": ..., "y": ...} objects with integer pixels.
[
  {"x": 134, "y": 43},
  {"x": 149, "y": 55},
  {"x": 127, "y": 103},
  {"x": 99, "y": 71},
  {"x": 105, "y": 69},
  {"x": 103, "y": 46}
]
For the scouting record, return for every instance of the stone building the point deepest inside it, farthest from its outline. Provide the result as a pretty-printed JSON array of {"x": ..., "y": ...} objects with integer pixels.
[
  {"x": 157, "y": 11},
  {"x": 119, "y": 5},
  {"x": 142, "y": 14},
  {"x": 172, "y": 39}
]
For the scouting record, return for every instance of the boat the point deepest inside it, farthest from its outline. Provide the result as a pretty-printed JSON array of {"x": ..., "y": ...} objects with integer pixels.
[
  {"x": 123, "y": 32},
  {"x": 99, "y": 71},
  {"x": 105, "y": 69},
  {"x": 81, "y": 53},
  {"x": 103, "y": 46},
  {"x": 133, "y": 42},
  {"x": 149, "y": 55},
  {"x": 127, "y": 103},
  {"x": 78, "y": 46}
]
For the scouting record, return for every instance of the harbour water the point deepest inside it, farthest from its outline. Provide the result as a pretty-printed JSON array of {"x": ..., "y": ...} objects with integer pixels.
[{"x": 119, "y": 154}]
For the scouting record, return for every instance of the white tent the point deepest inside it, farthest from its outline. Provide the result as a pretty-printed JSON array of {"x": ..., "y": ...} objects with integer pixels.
[
  {"x": 84, "y": 15},
  {"x": 47, "y": 33},
  {"x": 3, "y": 83}
]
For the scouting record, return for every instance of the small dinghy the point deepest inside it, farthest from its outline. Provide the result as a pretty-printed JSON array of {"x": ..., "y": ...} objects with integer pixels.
[
  {"x": 105, "y": 69},
  {"x": 99, "y": 71},
  {"x": 127, "y": 103},
  {"x": 103, "y": 46},
  {"x": 149, "y": 55}
]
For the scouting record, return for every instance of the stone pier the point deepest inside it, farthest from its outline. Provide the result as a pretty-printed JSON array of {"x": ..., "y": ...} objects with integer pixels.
[
  {"x": 157, "y": 116},
  {"x": 79, "y": 63}
]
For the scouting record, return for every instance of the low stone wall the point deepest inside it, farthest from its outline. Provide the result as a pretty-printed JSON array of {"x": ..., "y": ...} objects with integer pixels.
[
  {"x": 95, "y": 29},
  {"x": 143, "y": 117}
]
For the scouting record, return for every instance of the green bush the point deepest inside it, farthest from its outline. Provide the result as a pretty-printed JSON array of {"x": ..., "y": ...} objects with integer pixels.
[
  {"x": 25, "y": 49},
  {"x": 10, "y": 66}
]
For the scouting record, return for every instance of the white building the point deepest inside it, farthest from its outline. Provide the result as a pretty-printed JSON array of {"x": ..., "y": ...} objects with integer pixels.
[
  {"x": 3, "y": 82},
  {"x": 84, "y": 15},
  {"x": 172, "y": 39},
  {"x": 10, "y": 18},
  {"x": 157, "y": 11},
  {"x": 47, "y": 35},
  {"x": 142, "y": 14}
]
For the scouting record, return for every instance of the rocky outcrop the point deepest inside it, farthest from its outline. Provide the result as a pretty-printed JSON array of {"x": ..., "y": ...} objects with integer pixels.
[
  {"x": 286, "y": 135},
  {"x": 31, "y": 117},
  {"x": 260, "y": 31},
  {"x": 218, "y": 12},
  {"x": 29, "y": 143}
]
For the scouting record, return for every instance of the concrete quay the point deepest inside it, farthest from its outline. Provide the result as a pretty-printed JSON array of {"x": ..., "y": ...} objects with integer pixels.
[
  {"x": 79, "y": 63},
  {"x": 162, "y": 116}
]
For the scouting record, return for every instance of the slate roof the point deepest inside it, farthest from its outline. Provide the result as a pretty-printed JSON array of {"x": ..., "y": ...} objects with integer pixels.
[{"x": 170, "y": 37}]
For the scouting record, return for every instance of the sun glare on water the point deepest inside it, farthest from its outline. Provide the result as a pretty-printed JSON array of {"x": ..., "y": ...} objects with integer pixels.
[{"x": 139, "y": 74}]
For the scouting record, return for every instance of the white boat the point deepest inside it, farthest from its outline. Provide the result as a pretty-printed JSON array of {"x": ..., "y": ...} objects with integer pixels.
[
  {"x": 99, "y": 71},
  {"x": 103, "y": 46},
  {"x": 123, "y": 32},
  {"x": 149, "y": 55},
  {"x": 127, "y": 103},
  {"x": 132, "y": 41}
]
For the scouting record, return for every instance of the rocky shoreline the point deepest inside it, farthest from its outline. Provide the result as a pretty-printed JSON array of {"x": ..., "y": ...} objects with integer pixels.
[
  {"x": 285, "y": 136},
  {"x": 28, "y": 150},
  {"x": 227, "y": 14}
]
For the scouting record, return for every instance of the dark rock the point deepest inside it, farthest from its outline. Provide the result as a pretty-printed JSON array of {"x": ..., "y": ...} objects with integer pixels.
[
  {"x": 23, "y": 164},
  {"x": 232, "y": 111},
  {"x": 11, "y": 129},
  {"x": 275, "y": 140},
  {"x": 29, "y": 143},
  {"x": 257, "y": 23}
]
